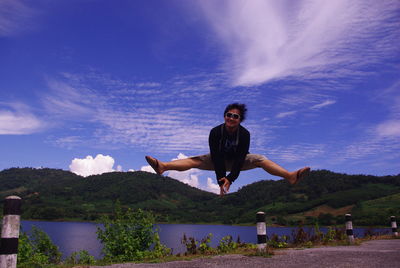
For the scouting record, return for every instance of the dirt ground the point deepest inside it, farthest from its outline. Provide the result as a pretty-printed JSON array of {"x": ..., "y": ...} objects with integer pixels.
[{"x": 371, "y": 254}]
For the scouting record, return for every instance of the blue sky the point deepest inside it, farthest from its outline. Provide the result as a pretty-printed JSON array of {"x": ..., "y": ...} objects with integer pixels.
[{"x": 93, "y": 86}]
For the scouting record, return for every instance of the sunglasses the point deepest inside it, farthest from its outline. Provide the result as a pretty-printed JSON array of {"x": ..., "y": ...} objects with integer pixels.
[{"x": 232, "y": 115}]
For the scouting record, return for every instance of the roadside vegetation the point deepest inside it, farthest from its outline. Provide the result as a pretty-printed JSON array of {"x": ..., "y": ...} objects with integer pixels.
[{"x": 129, "y": 236}]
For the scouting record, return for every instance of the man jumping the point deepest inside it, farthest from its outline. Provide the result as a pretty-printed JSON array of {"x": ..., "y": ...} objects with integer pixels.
[{"x": 229, "y": 151}]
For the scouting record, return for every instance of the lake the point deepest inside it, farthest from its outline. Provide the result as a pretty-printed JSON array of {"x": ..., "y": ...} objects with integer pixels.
[{"x": 76, "y": 236}]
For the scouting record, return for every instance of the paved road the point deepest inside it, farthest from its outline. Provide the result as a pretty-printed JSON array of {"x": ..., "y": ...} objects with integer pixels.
[{"x": 376, "y": 253}]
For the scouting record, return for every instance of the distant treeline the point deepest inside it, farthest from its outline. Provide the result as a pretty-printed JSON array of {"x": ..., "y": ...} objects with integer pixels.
[{"x": 52, "y": 194}]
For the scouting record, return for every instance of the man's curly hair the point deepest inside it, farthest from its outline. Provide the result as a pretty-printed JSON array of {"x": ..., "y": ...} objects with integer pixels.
[{"x": 240, "y": 106}]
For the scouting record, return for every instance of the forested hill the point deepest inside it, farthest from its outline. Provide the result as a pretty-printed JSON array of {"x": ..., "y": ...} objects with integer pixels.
[{"x": 324, "y": 196}]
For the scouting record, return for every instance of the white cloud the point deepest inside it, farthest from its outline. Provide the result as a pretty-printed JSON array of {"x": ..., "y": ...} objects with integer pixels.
[
  {"x": 268, "y": 40},
  {"x": 323, "y": 104},
  {"x": 17, "y": 124},
  {"x": 189, "y": 176},
  {"x": 18, "y": 120},
  {"x": 186, "y": 177},
  {"x": 285, "y": 114},
  {"x": 147, "y": 169},
  {"x": 212, "y": 187},
  {"x": 93, "y": 166},
  {"x": 389, "y": 128}
]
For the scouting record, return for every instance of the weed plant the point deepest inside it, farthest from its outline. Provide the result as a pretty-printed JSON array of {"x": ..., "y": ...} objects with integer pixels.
[
  {"x": 226, "y": 245},
  {"x": 301, "y": 238},
  {"x": 36, "y": 249},
  {"x": 81, "y": 257},
  {"x": 278, "y": 241}
]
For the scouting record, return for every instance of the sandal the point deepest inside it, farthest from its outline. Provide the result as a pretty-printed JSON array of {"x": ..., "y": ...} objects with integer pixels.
[
  {"x": 302, "y": 173},
  {"x": 153, "y": 163}
]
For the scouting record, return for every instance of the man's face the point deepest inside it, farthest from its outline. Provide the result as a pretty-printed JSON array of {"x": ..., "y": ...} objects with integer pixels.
[{"x": 232, "y": 118}]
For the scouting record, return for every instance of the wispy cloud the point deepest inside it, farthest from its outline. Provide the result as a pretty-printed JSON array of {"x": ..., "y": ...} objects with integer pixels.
[
  {"x": 301, "y": 103},
  {"x": 134, "y": 114},
  {"x": 269, "y": 40},
  {"x": 67, "y": 142},
  {"x": 15, "y": 17},
  {"x": 71, "y": 100},
  {"x": 297, "y": 152},
  {"x": 389, "y": 128},
  {"x": 17, "y": 119},
  {"x": 323, "y": 104},
  {"x": 285, "y": 114},
  {"x": 373, "y": 146},
  {"x": 390, "y": 98},
  {"x": 376, "y": 143},
  {"x": 161, "y": 117}
]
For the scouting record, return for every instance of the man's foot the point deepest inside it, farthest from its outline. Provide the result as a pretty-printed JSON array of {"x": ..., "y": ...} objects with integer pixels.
[
  {"x": 299, "y": 175},
  {"x": 155, "y": 164}
]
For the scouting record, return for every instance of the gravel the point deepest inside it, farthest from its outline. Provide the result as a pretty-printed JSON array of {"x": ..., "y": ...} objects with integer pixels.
[{"x": 375, "y": 253}]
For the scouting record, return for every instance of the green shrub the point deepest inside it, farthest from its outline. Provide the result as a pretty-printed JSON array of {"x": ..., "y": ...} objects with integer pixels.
[
  {"x": 334, "y": 235},
  {"x": 81, "y": 257},
  {"x": 159, "y": 249},
  {"x": 300, "y": 236},
  {"x": 226, "y": 244},
  {"x": 204, "y": 246},
  {"x": 25, "y": 249},
  {"x": 278, "y": 242},
  {"x": 37, "y": 249},
  {"x": 317, "y": 236},
  {"x": 329, "y": 236},
  {"x": 193, "y": 246},
  {"x": 42, "y": 244},
  {"x": 128, "y": 235},
  {"x": 190, "y": 244}
]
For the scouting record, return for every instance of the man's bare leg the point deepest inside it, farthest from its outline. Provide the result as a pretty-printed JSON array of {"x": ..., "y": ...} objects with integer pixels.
[
  {"x": 291, "y": 176},
  {"x": 179, "y": 165}
]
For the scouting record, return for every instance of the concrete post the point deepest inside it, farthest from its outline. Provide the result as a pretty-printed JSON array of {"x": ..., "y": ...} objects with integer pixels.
[
  {"x": 261, "y": 232},
  {"x": 10, "y": 232},
  {"x": 394, "y": 226},
  {"x": 349, "y": 229}
]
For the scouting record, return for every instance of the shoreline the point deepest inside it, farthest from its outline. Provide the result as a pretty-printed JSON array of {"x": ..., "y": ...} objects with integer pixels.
[{"x": 218, "y": 224}]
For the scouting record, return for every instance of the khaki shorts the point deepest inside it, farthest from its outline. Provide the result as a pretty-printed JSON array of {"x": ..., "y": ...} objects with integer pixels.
[{"x": 251, "y": 162}]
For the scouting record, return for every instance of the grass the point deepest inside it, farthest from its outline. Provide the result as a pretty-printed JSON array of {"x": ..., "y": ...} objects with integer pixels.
[{"x": 385, "y": 203}]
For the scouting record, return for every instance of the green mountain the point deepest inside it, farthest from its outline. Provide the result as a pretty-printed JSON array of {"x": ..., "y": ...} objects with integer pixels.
[{"x": 324, "y": 196}]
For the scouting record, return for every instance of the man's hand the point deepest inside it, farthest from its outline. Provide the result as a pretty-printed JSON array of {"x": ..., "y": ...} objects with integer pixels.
[{"x": 224, "y": 188}]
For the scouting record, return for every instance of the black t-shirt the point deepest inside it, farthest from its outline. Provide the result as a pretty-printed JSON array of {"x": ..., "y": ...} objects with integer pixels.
[
  {"x": 233, "y": 147},
  {"x": 230, "y": 145}
]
